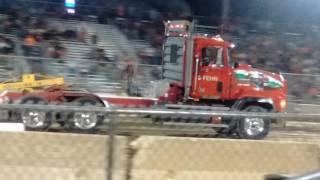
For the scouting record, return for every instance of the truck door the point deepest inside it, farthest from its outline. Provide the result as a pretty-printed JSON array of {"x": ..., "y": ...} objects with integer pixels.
[{"x": 213, "y": 75}]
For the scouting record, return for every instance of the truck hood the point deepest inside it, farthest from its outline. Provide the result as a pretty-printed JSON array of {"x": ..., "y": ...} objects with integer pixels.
[{"x": 265, "y": 78}]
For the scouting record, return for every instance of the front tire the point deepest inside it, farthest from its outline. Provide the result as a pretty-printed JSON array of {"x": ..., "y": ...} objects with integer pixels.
[{"x": 253, "y": 127}]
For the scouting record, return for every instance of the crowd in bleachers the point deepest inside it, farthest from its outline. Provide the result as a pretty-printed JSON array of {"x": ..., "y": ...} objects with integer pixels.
[
  {"x": 37, "y": 37},
  {"x": 6, "y": 45},
  {"x": 297, "y": 53},
  {"x": 294, "y": 50},
  {"x": 285, "y": 50},
  {"x": 144, "y": 21},
  {"x": 288, "y": 52},
  {"x": 264, "y": 46}
]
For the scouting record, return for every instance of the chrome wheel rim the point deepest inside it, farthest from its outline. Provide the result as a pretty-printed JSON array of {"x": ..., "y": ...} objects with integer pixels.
[
  {"x": 34, "y": 119},
  {"x": 85, "y": 120},
  {"x": 254, "y": 126}
]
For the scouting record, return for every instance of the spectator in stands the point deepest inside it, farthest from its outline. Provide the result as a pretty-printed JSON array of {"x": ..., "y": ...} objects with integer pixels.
[
  {"x": 7, "y": 26},
  {"x": 100, "y": 61},
  {"x": 101, "y": 58},
  {"x": 121, "y": 11},
  {"x": 57, "y": 51},
  {"x": 6, "y": 45},
  {"x": 121, "y": 16},
  {"x": 94, "y": 40},
  {"x": 29, "y": 42},
  {"x": 69, "y": 34},
  {"x": 51, "y": 33},
  {"x": 126, "y": 66},
  {"x": 6, "y": 48},
  {"x": 10, "y": 48},
  {"x": 33, "y": 49},
  {"x": 82, "y": 32},
  {"x": 147, "y": 55}
]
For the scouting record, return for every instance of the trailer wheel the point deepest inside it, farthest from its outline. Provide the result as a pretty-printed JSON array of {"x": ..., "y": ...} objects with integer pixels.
[
  {"x": 34, "y": 119},
  {"x": 86, "y": 121},
  {"x": 253, "y": 127}
]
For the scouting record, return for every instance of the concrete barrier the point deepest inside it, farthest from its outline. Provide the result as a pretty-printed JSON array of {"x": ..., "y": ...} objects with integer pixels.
[
  {"x": 170, "y": 158},
  {"x": 49, "y": 156}
]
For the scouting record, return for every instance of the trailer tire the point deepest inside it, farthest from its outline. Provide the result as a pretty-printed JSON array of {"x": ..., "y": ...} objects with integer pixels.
[
  {"x": 251, "y": 127},
  {"x": 86, "y": 122},
  {"x": 34, "y": 120}
]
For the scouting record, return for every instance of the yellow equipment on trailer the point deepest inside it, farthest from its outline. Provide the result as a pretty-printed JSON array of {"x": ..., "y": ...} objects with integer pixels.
[{"x": 29, "y": 82}]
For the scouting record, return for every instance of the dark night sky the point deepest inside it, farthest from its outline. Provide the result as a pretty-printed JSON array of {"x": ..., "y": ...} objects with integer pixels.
[
  {"x": 298, "y": 11},
  {"x": 214, "y": 7},
  {"x": 205, "y": 7},
  {"x": 294, "y": 11}
]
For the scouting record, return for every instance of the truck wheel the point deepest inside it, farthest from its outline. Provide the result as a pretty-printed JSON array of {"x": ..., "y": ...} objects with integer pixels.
[
  {"x": 34, "y": 119},
  {"x": 253, "y": 127},
  {"x": 86, "y": 121}
]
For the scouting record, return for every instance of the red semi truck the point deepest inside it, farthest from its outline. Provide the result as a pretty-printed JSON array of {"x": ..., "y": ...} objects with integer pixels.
[{"x": 200, "y": 73}]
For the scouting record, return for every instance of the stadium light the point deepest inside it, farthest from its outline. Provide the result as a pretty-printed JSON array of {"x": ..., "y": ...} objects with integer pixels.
[{"x": 70, "y": 5}]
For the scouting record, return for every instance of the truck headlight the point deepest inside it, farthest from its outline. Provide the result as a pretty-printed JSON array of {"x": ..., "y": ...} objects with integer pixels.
[
  {"x": 283, "y": 103},
  {"x": 281, "y": 77}
]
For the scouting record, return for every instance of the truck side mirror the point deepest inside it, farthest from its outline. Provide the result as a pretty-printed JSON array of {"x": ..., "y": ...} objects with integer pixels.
[{"x": 236, "y": 65}]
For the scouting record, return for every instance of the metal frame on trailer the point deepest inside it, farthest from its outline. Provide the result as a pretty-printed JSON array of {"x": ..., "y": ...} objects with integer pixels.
[{"x": 160, "y": 111}]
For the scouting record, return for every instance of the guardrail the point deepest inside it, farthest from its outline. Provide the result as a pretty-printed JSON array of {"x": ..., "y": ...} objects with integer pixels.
[
  {"x": 34, "y": 116},
  {"x": 160, "y": 111}
]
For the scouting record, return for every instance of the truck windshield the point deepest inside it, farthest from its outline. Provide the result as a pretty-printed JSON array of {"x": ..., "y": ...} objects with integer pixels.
[
  {"x": 212, "y": 56},
  {"x": 231, "y": 56}
]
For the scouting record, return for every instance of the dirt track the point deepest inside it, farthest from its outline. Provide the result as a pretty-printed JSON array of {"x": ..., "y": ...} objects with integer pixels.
[
  {"x": 296, "y": 131},
  {"x": 49, "y": 156}
]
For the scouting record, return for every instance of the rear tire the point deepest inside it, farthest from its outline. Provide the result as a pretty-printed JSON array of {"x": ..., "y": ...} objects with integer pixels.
[
  {"x": 34, "y": 120},
  {"x": 86, "y": 122},
  {"x": 251, "y": 127}
]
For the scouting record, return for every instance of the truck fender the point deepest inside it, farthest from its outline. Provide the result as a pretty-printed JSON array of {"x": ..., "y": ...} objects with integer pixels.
[
  {"x": 96, "y": 98},
  {"x": 264, "y": 102},
  {"x": 101, "y": 100},
  {"x": 242, "y": 103},
  {"x": 31, "y": 96}
]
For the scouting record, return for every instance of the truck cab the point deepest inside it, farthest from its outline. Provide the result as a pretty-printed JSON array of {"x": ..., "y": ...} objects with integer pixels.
[
  {"x": 212, "y": 73},
  {"x": 200, "y": 71}
]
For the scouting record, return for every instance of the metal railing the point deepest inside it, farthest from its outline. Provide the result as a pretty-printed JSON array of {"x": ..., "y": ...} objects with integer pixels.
[{"x": 158, "y": 111}]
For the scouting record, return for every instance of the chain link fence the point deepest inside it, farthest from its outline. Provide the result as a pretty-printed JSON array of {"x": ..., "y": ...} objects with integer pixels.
[
  {"x": 131, "y": 145},
  {"x": 126, "y": 78},
  {"x": 119, "y": 153}
]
